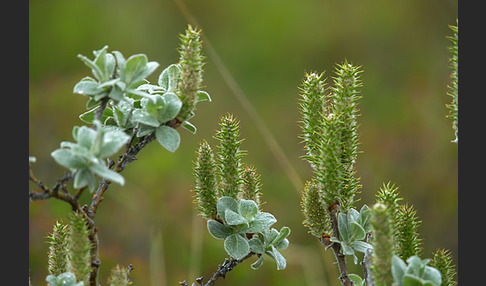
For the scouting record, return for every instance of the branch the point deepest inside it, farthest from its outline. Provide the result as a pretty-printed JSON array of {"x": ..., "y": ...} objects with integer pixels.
[
  {"x": 47, "y": 193},
  {"x": 223, "y": 269},
  {"x": 341, "y": 258}
]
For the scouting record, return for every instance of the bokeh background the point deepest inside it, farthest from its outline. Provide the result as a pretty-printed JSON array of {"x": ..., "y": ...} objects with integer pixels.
[{"x": 265, "y": 46}]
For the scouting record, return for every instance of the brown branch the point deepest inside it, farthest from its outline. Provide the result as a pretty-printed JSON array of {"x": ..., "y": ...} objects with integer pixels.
[
  {"x": 47, "y": 193},
  {"x": 223, "y": 269},
  {"x": 336, "y": 248}
]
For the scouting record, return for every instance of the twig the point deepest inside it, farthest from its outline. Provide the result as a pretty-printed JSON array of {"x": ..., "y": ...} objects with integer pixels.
[
  {"x": 47, "y": 193},
  {"x": 336, "y": 248},
  {"x": 99, "y": 112},
  {"x": 223, "y": 269}
]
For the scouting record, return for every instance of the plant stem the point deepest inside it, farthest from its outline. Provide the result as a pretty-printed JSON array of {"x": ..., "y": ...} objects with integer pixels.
[
  {"x": 223, "y": 269},
  {"x": 341, "y": 259}
]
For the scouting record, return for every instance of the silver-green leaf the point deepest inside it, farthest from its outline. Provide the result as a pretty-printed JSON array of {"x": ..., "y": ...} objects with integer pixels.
[
  {"x": 168, "y": 137},
  {"x": 236, "y": 246}
]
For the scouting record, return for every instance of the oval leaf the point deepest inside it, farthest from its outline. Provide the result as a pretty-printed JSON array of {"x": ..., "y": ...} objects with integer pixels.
[
  {"x": 225, "y": 203},
  {"x": 66, "y": 158},
  {"x": 218, "y": 230},
  {"x": 248, "y": 209},
  {"x": 168, "y": 137},
  {"x": 101, "y": 170},
  {"x": 170, "y": 109},
  {"x": 256, "y": 245},
  {"x": 236, "y": 246},
  {"x": 233, "y": 218},
  {"x": 261, "y": 222}
]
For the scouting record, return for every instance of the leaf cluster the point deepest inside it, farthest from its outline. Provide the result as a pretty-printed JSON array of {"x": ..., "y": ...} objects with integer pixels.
[
  {"x": 150, "y": 108},
  {"x": 416, "y": 272},
  {"x": 353, "y": 229},
  {"x": 228, "y": 195},
  {"x": 85, "y": 158},
  {"x": 63, "y": 279},
  {"x": 245, "y": 228}
]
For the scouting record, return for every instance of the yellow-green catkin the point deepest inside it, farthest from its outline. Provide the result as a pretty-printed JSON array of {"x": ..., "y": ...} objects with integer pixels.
[
  {"x": 442, "y": 261},
  {"x": 191, "y": 74},
  {"x": 119, "y": 277},
  {"x": 329, "y": 132},
  {"x": 453, "y": 87},
  {"x": 58, "y": 249},
  {"x": 383, "y": 246},
  {"x": 344, "y": 107},
  {"x": 205, "y": 181},
  {"x": 312, "y": 108},
  {"x": 316, "y": 216},
  {"x": 79, "y": 256},
  {"x": 408, "y": 242},
  {"x": 229, "y": 157},
  {"x": 251, "y": 185}
]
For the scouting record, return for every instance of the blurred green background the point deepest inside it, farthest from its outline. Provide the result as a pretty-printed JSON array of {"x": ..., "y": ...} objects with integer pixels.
[{"x": 266, "y": 46}]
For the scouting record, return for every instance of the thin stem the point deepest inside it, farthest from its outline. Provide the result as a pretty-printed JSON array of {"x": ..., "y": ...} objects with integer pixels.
[
  {"x": 341, "y": 258},
  {"x": 223, "y": 269},
  {"x": 47, "y": 193},
  {"x": 101, "y": 109}
]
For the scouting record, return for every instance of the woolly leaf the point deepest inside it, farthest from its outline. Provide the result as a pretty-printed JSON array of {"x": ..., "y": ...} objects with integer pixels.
[
  {"x": 140, "y": 115},
  {"x": 189, "y": 127},
  {"x": 236, "y": 246},
  {"x": 84, "y": 177},
  {"x": 398, "y": 270},
  {"x": 168, "y": 79},
  {"x": 68, "y": 159},
  {"x": 256, "y": 245},
  {"x": 203, "y": 96},
  {"x": 248, "y": 209},
  {"x": 170, "y": 109},
  {"x": 225, "y": 203},
  {"x": 261, "y": 222},
  {"x": 279, "y": 259},
  {"x": 168, "y": 137},
  {"x": 233, "y": 218},
  {"x": 257, "y": 264},
  {"x": 218, "y": 230},
  {"x": 87, "y": 86},
  {"x": 283, "y": 234}
]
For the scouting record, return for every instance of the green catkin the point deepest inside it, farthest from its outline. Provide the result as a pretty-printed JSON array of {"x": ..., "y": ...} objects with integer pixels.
[
  {"x": 388, "y": 195},
  {"x": 229, "y": 157},
  {"x": 453, "y": 88},
  {"x": 251, "y": 185},
  {"x": 407, "y": 238},
  {"x": 119, "y": 277},
  {"x": 329, "y": 131},
  {"x": 58, "y": 249},
  {"x": 205, "y": 181},
  {"x": 383, "y": 245},
  {"x": 315, "y": 211},
  {"x": 191, "y": 64},
  {"x": 79, "y": 258},
  {"x": 312, "y": 108},
  {"x": 344, "y": 107},
  {"x": 442, "y": 261}
]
